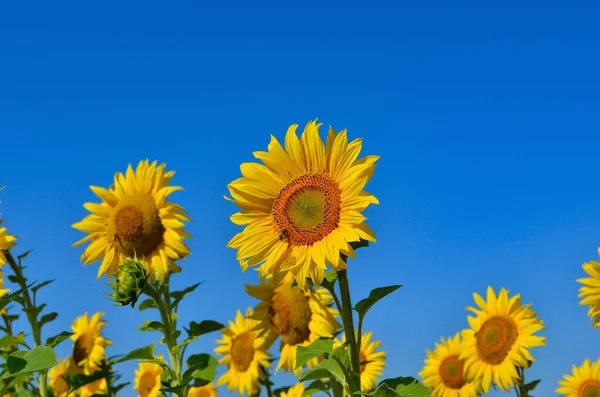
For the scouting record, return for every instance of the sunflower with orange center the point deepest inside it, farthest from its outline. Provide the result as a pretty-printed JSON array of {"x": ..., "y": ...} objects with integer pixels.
[
  {"x": 499, "y": 338},
  {"x": 590, "y": 291},
  {"x": 296, "y": 316},
  {"x": 89, "y": 344},
  {"x": 147, "y": 379},
  {"x": 304, "y": 202},
  {"x": 244, "y": 351},
  {"x": 444, "y": 372},
  {"x": 135, "y": 218},
  {"x": 56, "y": 376},
  {"x": 584, "y": 382},
  {"x": 372, "y": 362},
  {"x": 207, "y": 390}
]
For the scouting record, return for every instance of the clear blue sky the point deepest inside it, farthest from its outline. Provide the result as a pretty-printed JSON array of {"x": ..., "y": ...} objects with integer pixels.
[{"x": 485, "y": 117}]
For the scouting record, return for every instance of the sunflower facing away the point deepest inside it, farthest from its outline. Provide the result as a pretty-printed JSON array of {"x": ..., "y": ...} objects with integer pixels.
[
  {"x": 207, "y": 390},
  {"x": 444, "y": 372},
  {"x": 372, "y": 362},
  {"x": 590, "y": 291},
  {"x": 304, "y": 203},
  {"x": 244, "y": 352},
  {"x": 147, "y": 379},
  {"x": 135, "y": 218},
  {"x": 298, "y": 317},
  {"x": 88, "y": 349},
  {"x": 56, "y": 375},
  {"x": 295, "y": 391},
  {"x": 7, "y": 242},
  {"x": 501, "y": 334},
  {"x": 585, "y": 381}
]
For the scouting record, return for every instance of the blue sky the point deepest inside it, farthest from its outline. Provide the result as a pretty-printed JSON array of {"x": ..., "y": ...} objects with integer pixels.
[{"x": 485, "y": 117}]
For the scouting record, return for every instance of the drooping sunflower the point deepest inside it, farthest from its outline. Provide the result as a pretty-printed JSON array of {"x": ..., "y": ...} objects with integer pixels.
[
  {"x": 295, "y": 391},
  {"x": 585, "y": 381},
  {"x": 499, "y": 338},
  {"x": 444, "y": 372},
  {"x": 244, "y": 351},
  {"x": 304, "y": 203},
  {"x": 147, "y": 379},
  {"x": 207, "y": 390},
  {"x": 372, "y": 362},
  {"x": 298, "y": 317},
  {"x": 135, "y": 218},
  {"x": 89, "y": 344},
  {"x": 56, "y": 377},
  {"x": 7, "y": 242},
  {"x": 590, "y": 291}
]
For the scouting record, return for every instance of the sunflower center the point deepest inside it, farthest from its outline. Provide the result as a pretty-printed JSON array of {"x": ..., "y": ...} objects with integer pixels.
[
  {"x": 307, "y": 209},
  {"x": 136, "y": 227},
  {"x": 147, "y": 383},
  {"x": 242, "y": 351},
  {"x": 451, "y": 372},
  {"x": 590, "y": 388},
  {"x": 290, "y": 314},
  {"x": 495, "y": 339},
  {"x": 80, "y": 352}
]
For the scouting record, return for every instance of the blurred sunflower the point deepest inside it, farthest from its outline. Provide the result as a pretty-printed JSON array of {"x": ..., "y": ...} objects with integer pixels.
[
  {"x": 99, "y": 387},
  {"x": 147, "y": 379},
  {"x": 295, "y": 391},
  {"x": 7, "y": 242},
  {"x": 499, "y": 339},
  {"x": 304, "y": 203},
  {"x": 135, "y": 218},
  {"x": 3, "y": 291},
  {"x": 444, "y": 372},
  {"x": 88, "y": 349},
  {"x": 244, "y": 353},
  {"x": 372, "y": 362},
  {"x": 298, "y": 317},
  {"x": 207, "y": 390},
  {"x": 57, "y": 382},
  {"x": 590, "y": 291},
  {"x": 585, "y": 381}
]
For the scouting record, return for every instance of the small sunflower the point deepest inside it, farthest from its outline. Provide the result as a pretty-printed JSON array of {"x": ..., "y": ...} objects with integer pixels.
[
  {"x": 295, "y": 391},
  {"x": 56, "y": 375},
  {"x": 88, "y": 349},
  {"x": 585, "y": 381},
  {"x": 444, "y": 372},
  {"x": 135, "y": 218},
  {"x": 304, "y": 203},
  {"x": 99, "y": 387},
  {"x": 499, "y": 339},
  {"x": 244, "y": 351},
  {"x": 590, "y": 291},
  {"x": 298, "y": 317},
  {"x": 372, "y": 362},
  {"x": 7, "y": 242},
  {"x": 147, "y": 379},
  {"x": 207, "y": 390}
]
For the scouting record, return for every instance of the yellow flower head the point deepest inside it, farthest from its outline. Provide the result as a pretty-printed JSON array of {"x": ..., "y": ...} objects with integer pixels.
[
  {"x": 244, "y": 351},
  {"x": 147, "y": 379},
  {"x": 207, "y": 390},
  {"x": 590, "y": 291},
  {"x": 295, "y": 391},
  {"x": 135, "y": 218},
  {"x": 88, "y": 349},
  {"x": 372, "y": 362},
  {"x": 585, "y": 381},
  {"x": 99, "y": 387},
  {"x": 296, "y": 316},
  {"x": 7, "y": 242},
  {"x": 444, "y": 372},
  {"x": 3, "y": 291},
  {"x": 303, "y": 204},
  {"x": 499, "y": 338},
  {"x": 56, "y": 377}
]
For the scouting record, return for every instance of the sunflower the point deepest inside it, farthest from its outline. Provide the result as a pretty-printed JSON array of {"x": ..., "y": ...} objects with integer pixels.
[
  {"x": 88, "y": 349},
  {"x": 56, "y": 375},
  {"x": 135, "y": 218},
  {"x": 298, "y": 317},
  {"x": 3, "y": 291},
  {"x": 590, "y": 292},
  {"x": 207, "y": 390},
  {"x": 372, "y": 362},
  {"x": 585, "y": 381},
  {"x": 499, "y": 339},
  {"x": 444, "y": 372},
  {"x": 99, "y": 387},
  {"x": 147, "y": 379},
  {"x": 244, "y": 351},
  {"x": 295, "y": 391},
  {"x": 7, "y": 242},
  {"x": 304, "y": 203}
]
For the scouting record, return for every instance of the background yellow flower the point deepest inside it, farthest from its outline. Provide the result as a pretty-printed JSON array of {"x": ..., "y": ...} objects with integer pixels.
[
  {"x": 584, "y": 382},
  {"x": 147, "y": 379},
  {"x": 88, "y": 349},
  {"x": 590, "y": 291}
]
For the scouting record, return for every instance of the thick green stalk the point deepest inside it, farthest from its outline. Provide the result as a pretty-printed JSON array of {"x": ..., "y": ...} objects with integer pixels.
[{"x": 348, "y": 321}]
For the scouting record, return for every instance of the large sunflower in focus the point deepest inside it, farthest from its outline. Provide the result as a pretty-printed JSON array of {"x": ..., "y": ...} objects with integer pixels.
[
  {"x": 298, "y": 317},
  {"x": 444, "y": 372},
  {"x": 304, "y": 203},
  {"x": 135, "y": 218},
  {"x": 501, "y": 334},
  {"x": 245, "y": 351},
  {"x": 590, "y": 291},
  {"x": 585, "y": 381},
  {"x": 88, "y": 349}
]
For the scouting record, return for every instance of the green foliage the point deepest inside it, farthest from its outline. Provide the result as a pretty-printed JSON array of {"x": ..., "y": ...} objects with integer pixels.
[
  {"x": 53, "y": 341},
  {"x": 15, "y": 296},
  {"x": 202, "y": 368},
  {"x": 321, "y": 347},
  {"x": 147, "y": 304},
  {"x": 325, "y": 369},
  {"x": 143, "y": 353},
  {"x": 177, "y": 296},
  {"x": 316, "y": 386},
  {"x": 363, "y": 306},
  {"x": 128, "y": 282},
  {"x": 28, "y": 361},
  {"x": 195, "y": 330},
  {"x": 152, "y": 325},
  {"x": 401, "y": 387}
]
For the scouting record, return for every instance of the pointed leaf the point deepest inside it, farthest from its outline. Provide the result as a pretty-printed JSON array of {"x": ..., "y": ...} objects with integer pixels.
[
  {"x": 40, "y": 285},
  {"x": 321, "y": 347},
  {"x": 6, "y": 299},
  {"x": 147, "y": 304},
  {"x": 325, "y": 369},
  {"x": 46, "y": 318},
  {"x": 26, "y": 361},
  {"x": 363, "y": 306},
  {"x": 53, "y": 341},
  {"x": 202, "y": 367},
  {"x": 179, "y": 295},
  {"x": 204, "y": 327},
  {"x": 151, "y": 325},
  {"x": 143, "y": 353}
]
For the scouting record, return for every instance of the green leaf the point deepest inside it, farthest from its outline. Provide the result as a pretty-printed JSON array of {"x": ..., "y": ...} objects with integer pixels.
[
  {"x": 321, "y": 347},
  {"x": 77, "y": 381},
  {"x": 205, "y": 327},
  {"x": 363, "y": 306},
  {"x": 143, "y": 353},
  {"x": 329, "y": 281},
  {"x": 532, "y": 385},
  {"x": 179, "y": 295},
  {"x": 202, "y": 367},
  {"x": 40, "y": 285},
  {"x": 6, "y": 299},
  {"x": 24, "y": 254},
  {"x": 324, "y": 369},
  {"x": 46, "y": 318},
  {"x": 158, "y": 361},
  {"x": 316, "y": 386},
  {"x": 401, "y": 386},
  {"x": 147, "y": 304},
  {"x": 53, "y": 341},
  {"x": 152, "y": 325},
  {"x": 26, "y": 361},
  {"x": 24, "y": 393},
  {"x": 8, "y": 341}
]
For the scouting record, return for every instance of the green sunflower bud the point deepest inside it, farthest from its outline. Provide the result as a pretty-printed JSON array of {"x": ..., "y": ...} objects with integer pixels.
[{"x": 128, "y": 282}]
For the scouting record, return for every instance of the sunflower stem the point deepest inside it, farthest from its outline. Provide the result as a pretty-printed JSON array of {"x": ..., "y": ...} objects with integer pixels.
[
  {"x": 348, "y": 322},
  {"x": 520, "y": 387}
]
